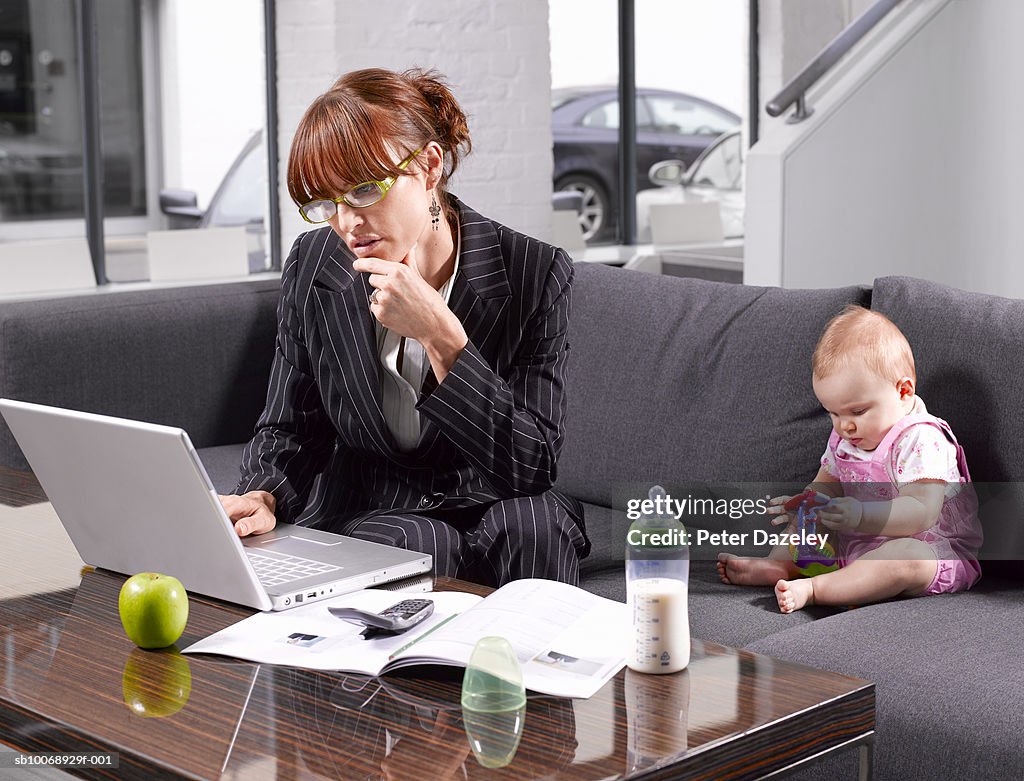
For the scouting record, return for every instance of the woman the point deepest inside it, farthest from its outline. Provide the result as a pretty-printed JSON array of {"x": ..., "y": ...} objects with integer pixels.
[{"x": 416, "y": 396}]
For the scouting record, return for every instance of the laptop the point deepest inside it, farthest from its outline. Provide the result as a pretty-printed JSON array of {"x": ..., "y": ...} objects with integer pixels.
[{"x": 134, "y": 497}]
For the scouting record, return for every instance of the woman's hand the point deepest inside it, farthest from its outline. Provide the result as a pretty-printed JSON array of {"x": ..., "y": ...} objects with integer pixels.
[
  {"x": 251, "y": 513},
  {"x": 843, "y": 514},
  {"x": 404, "y": 302}
]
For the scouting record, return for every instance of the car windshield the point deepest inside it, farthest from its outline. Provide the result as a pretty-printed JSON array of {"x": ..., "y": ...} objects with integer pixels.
[
  {"x": 722, "y": 165},
  {"x": 242, "y": 197},
  {"x": 688, "y": 117},
  {"x": 606, "y": 116}
]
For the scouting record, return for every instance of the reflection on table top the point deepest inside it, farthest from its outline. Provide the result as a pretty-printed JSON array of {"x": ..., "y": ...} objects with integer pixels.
[
  {"x": 71, "y": 681},
  {"x": 19, "y": 488}
]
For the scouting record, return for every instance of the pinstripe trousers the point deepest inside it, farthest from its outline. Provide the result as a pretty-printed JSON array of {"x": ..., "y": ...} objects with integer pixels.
[{"x": 524, "y": 537}]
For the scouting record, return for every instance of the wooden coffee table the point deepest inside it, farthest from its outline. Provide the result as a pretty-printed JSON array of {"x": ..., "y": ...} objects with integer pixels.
[{"x": 70, "y": 681}]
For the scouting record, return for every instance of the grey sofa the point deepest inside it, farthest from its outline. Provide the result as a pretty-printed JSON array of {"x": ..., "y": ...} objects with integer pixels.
[{"x": 683, "y": 382}]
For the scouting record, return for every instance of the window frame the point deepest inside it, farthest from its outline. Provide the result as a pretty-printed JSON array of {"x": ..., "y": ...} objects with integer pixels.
[{"x": 35, "y": 229}]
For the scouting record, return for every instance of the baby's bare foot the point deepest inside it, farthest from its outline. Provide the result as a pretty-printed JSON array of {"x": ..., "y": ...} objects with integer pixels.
[
  {"x": 794, "y": 594},
  {"x": 743, "y": 571}
]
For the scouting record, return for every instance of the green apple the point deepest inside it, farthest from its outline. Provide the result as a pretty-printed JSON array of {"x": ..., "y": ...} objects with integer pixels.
[
  {"x": 156, "y": 683},
  {"x": 154, "y": 609}
]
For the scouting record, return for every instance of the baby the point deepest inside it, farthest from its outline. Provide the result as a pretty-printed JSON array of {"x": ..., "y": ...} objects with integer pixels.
[{"x": 903, "y": 513}]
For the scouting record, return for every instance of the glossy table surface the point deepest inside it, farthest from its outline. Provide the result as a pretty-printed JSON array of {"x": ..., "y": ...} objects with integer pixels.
[{"x": 71, "y": 681}]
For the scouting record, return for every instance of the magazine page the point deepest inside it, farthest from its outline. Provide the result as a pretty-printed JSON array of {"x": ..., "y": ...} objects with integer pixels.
[
  {"x": 569, "y": 642},
  {"x": 311, "y": 637}
]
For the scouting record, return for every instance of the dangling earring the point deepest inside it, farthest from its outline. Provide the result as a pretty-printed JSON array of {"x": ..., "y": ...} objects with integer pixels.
[{"x": 435, "y": 213}]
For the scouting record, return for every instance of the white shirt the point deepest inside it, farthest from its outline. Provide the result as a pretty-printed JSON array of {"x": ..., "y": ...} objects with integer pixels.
[{"x": 400, "y": 390}]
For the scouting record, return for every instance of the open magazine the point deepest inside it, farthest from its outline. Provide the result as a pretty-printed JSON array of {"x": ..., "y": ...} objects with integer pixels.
[{"x": 569, "y": 642}]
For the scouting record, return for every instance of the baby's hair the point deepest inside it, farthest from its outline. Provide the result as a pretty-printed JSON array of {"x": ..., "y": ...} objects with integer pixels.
[{"x": 859, "y": 333}]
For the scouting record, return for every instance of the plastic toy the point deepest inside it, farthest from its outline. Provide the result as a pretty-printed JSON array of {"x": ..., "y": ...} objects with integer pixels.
[{"x": 810, "y": 560}]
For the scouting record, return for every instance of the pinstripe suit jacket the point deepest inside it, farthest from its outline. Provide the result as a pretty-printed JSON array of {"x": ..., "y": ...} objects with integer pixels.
[{"x": 492, "y": 430}]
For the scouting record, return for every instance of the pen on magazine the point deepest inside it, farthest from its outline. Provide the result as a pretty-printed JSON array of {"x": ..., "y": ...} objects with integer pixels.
[{"x": 416, "y": 640}]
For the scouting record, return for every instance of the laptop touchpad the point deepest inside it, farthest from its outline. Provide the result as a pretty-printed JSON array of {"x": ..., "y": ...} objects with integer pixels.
[{"x": 297, "y": 546}]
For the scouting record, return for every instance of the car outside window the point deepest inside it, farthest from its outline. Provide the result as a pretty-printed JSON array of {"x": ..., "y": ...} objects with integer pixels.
[{"x": 688, "y": 118}]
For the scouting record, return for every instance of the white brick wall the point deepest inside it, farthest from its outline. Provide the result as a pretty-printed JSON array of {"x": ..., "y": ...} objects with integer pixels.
[{"x": 496, "y": 56}]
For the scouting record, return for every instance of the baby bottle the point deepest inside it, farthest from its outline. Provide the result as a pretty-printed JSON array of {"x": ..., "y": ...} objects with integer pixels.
[{"x": 657, "y": 575}]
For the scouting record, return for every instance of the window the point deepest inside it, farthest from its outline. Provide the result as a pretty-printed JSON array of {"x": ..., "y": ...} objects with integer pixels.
[
  {"x": 214, "y": 114},
  {"x": 178, "y": 103},
  {"x": 41, "y": 165},
  {"x": 691, "y": 73},
  {"x": 40, "y": 139}
]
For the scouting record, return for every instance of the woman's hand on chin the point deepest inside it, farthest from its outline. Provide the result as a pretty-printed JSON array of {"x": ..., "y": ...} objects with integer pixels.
[
  {"x": 404, "y": 302},
  {"x": 401, "y": 299}
]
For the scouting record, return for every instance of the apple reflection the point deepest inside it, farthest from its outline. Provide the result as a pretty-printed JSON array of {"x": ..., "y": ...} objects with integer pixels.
[{"x": 156, "y": 684}]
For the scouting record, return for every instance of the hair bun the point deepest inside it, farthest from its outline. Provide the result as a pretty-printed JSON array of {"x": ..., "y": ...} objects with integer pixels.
[{"x": 450, "y": 123}]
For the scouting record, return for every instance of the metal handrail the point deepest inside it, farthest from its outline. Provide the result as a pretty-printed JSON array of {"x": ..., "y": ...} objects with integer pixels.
[{"x": 795, "y": 91}]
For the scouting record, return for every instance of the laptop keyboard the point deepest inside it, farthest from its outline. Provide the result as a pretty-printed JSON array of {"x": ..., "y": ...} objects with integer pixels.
[{"x": 275, "y": 570}]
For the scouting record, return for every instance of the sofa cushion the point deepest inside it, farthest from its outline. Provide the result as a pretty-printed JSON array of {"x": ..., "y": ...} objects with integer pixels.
[
  {"x": 223, "y": 465},
  {"x": 676, "y": 380},
  {"x": 948, "y": 694},
  {"x": 196, "y": 357},
  {"x": 969, "y": 348}
]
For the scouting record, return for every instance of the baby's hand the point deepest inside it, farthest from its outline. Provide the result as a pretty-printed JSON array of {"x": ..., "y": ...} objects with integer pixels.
[
  {"x": 776, "y": 507},
  {"x": 843, "y": 513}
]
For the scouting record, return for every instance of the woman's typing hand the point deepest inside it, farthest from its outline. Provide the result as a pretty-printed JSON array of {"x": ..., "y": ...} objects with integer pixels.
[{"x": 251, "y": 513}]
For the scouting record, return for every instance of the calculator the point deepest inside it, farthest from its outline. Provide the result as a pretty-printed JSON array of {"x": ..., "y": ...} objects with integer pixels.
[{"x": 397, "y": 618}]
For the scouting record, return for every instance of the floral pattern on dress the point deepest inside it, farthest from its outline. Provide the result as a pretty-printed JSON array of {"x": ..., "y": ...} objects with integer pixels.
[{"x": 924, "y": 453}]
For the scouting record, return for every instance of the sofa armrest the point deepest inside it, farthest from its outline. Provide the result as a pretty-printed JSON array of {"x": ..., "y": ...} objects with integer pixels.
[{"x": 196, "y": 357}]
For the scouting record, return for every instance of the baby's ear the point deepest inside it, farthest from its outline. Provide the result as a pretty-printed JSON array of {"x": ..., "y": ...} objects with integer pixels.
[{"x": 905, "y": 387}]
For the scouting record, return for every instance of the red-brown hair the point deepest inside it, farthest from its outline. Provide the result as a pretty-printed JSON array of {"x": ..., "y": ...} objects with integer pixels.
[{"x": 368, "y": 122}]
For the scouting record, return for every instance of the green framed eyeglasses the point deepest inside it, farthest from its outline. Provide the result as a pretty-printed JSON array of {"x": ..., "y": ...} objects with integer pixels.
[{"x": 359, "y": 197}]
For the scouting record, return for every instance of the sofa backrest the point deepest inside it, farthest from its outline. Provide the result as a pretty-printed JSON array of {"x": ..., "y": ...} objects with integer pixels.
[
  {"x": 969, "y": 351},
  {"x": 195, "y": 357},
  {"x": 675, "y": 380}
]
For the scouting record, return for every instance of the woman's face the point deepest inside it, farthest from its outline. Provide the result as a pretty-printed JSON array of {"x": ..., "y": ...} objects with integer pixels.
[{"x": 391, "y": 227}]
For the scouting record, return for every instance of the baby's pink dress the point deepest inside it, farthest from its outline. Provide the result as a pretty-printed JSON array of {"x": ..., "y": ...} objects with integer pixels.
[{"x": 919, "y": 447}]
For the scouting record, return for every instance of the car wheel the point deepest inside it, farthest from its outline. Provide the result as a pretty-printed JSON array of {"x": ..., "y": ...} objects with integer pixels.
[{"x": 595, "y": 218}]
